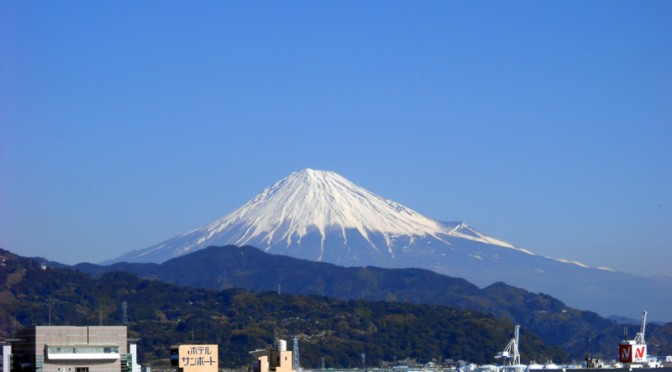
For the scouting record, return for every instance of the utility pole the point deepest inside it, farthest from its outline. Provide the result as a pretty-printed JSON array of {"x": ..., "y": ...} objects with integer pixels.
[
  {"x": 124, "y": 311},
  {"x": 49, "y": 303}
]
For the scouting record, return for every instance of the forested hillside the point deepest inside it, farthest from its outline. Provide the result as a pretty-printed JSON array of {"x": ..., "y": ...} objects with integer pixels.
[
  {"x": 250, "y": 268},
  {"x": 239, "y": 321}
]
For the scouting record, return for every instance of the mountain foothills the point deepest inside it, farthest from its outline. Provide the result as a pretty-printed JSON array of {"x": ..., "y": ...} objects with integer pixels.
[
  {"x": 323, "y": 217},
  {"x": 162, "y": 314},
  {"x": 249, "y": 268}
]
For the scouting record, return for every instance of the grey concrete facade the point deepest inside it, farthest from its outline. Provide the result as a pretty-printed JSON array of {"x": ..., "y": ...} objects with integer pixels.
[{"x": 71, "y": 349}]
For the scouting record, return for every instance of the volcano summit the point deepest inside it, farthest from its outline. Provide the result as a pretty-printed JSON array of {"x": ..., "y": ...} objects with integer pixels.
[{"x": 320, "y": 216}]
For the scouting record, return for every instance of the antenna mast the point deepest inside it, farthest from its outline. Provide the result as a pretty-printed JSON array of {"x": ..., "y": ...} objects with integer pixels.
[{"x": 124, "y": 310}]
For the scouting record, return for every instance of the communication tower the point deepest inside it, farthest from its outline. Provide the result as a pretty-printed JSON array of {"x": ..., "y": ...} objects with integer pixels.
[
  {"x": 295, "y": 353},
  {"x": 124, "y": 312}
]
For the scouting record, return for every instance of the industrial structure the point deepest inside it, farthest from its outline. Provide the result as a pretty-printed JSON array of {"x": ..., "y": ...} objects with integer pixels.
[
  {"x": 510, "y": 354},
  {"x": 633, "y": 353}
]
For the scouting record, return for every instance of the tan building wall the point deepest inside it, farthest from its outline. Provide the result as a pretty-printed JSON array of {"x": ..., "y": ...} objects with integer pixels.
[
  {"x": 285, "y": 362},
  {"x": 280, "y": 361},
  {"x": 276, "y": 361},
  {"x": 263, "y": 363}
]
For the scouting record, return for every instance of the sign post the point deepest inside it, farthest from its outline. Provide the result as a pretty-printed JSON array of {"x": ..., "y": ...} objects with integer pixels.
[{"x": 198, "y": 358}]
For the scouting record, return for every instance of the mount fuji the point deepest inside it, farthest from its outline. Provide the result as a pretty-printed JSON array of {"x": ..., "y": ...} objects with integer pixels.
[{"x": 321, "y": 216}]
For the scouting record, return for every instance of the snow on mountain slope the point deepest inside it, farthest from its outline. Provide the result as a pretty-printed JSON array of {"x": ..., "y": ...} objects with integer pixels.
[
  {"x": 314, "y": 201},
  {"x": 321, "y": 200}
]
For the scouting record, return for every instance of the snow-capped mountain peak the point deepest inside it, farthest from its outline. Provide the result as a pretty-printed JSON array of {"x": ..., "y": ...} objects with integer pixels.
[
  {"x": 322, "y": 200},
  {"x": 316, "y": 203}
]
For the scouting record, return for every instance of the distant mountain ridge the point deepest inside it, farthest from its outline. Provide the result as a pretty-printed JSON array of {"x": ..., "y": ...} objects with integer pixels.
[
  {"x": 250, "y": 268},
  {"x": 321, "y": 216}
]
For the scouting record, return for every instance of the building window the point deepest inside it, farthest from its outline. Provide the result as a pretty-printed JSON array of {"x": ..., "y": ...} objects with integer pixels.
[{"x": 83, "y": 349}]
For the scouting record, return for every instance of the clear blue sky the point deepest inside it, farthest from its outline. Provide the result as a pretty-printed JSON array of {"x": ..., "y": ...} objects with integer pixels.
[{"x": 547, "y": 124}]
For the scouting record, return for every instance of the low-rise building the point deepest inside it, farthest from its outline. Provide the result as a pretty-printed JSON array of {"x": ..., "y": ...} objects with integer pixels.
[
  {"x": 70, "y": 349},
  {"x": 277, "y": 359}
]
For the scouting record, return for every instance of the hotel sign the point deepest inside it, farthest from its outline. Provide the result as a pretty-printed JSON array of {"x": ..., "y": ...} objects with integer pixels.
[{"x": 198, "y": 358}]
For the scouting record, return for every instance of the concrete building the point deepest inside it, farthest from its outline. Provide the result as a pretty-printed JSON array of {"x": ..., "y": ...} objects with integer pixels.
[
  {"x": 277, "y": 359},
  {"x": 70, "y": 349}
]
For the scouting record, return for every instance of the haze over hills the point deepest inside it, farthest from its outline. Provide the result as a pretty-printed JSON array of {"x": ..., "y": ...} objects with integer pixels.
[
  {"x": 249, "y": 268},
  {"x": 321, "y": 216}
]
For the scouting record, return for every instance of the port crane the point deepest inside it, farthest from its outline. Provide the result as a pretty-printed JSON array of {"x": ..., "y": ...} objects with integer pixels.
[
  {"x": 510, "y": 352},
  {"x": 639, "y": 337},
  {"x": 634, "y": 351}
]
